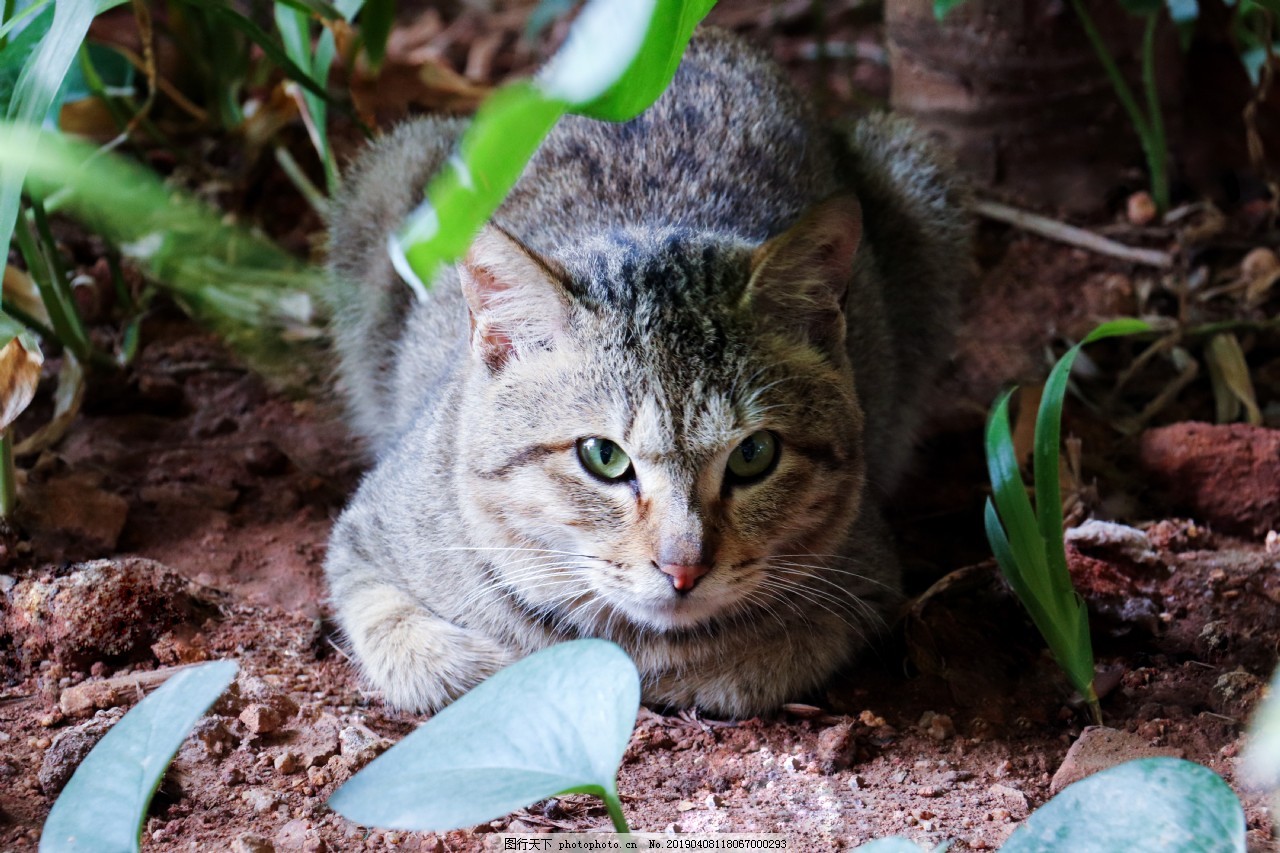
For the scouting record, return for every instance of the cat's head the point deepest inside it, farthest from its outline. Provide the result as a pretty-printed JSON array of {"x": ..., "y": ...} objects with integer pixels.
[{"x": 665, "y": 419}]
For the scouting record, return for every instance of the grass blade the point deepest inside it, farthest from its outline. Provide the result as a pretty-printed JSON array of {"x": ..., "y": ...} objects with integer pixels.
[{"x": 104, "y": 804}]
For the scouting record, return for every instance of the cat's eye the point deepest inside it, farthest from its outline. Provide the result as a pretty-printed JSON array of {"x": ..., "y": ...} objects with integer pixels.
[
  {"x": 604, "y": 458},
  {"x": 754, "y": 457}
]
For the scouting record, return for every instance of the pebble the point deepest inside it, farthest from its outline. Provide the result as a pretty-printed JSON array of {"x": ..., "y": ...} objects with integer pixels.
[
  {"x": 937, "y": 726},
  {"x": 250, "y": 843},
  {"x": 261, "y": 719},
  {"x": 287, "y": 762},
  {"x": 1098, "y": 748},
  {"x": 1140, "y": 209}
]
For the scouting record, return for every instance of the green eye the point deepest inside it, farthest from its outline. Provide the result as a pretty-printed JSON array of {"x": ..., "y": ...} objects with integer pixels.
[
  {"x": 602, "y": 457},
  {"x": 754, "y": 458}
]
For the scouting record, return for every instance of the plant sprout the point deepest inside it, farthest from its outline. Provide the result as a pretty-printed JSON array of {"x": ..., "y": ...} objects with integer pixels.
[{"x": 1028, "y": 543}]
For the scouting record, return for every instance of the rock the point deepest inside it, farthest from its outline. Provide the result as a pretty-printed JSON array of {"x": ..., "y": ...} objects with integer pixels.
[
  {"x": 299, "y": 835},
  {"x": 247, "y": 690},
  {"x": 105, "y": 609},
  {"x": 1014, "y": 802},
  {"x": 1223, "y": 474},
  {"x": 260, "y": 800},
  {"x": 1140, "y": 209},
  {"x": 835, "y": 748},
  {"x": 261, "y": 719},
  {"x": 1098, "y": 748},
  {"x": 250, "y": 843},
  {"x": 318, "y": 741},
  {"x": 359, "y": 745},
  {"x": 213, "y": 736},
  {"x": 70, "y": 747},
  {"x": 937, "y": 726},
  {"x": 1119, "y": 539},
  {"x": 287, "y": 762}
]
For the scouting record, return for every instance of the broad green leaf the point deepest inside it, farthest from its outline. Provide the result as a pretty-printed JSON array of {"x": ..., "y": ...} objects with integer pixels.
[
  {"x": 1262, "y": 756},
  {"x": 942, "y": 8},
  {"x": 896, "y": 844},
  {"x": 618, "y": 58},
  {"x": 116, "y": 72},
  {"x": 104, "y": 804},
  {"x": 1152, "y": 805},
  {"x": 555, "y": 722},
  {"x": 238, "y": 282}
]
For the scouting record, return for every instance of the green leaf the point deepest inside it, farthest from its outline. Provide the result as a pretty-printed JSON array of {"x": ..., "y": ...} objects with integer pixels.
[
  {"x": 225, "y": 13},
  {"x": 618, "y": 58},
  {"x": 241, "y": 284},
  {"x": 1160, "y": 805},
  {"x": 1262, "y": 756},
  {"x": 942, "y": 8},
  {"x": 104, "y": 804},
  {"x": 620, "y": 55},
  {"x": 555, "y": 722},
  {"x": 376, "y": 20},
  {"x": 896, "y": 844}
]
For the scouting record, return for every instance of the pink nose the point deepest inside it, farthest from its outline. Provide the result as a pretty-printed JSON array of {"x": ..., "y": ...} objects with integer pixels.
[{"x": 684, "y": 578}]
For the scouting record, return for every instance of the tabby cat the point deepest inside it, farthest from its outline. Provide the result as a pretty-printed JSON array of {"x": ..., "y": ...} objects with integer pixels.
[{"x": 658, "y": 402}]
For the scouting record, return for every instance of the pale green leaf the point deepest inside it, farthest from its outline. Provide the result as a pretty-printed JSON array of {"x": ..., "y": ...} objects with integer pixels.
[
  {"x": 1152, "y": 805},
  {"x": 102, "y": 808},
  {"x": 555, "y": 722}
]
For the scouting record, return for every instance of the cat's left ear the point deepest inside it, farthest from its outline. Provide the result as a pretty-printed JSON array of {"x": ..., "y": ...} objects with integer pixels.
[
  {"x": 517, "y": 298},
  {"x": 800, "y": 279}
]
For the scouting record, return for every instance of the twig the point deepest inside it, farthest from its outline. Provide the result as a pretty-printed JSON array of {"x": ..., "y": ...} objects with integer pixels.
[{"x": 1052, "y": 229}]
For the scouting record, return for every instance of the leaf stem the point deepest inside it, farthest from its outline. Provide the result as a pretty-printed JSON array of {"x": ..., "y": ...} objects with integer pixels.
[
  {"x": 8, "y": 476},
  {"x": 614, "y": 805}
]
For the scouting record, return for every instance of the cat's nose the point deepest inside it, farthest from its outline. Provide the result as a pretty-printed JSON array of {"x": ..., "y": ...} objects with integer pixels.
[{"x": 684, "y": 577}]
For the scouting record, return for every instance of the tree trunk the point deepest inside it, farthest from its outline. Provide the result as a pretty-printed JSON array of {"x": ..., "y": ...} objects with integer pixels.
[{"x": 1016, "y": 89}]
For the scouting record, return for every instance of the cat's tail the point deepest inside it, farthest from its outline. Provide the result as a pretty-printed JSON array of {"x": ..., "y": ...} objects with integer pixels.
[
  {"x": 368, "y": 301},
  {"x": 918, "y": 221}
]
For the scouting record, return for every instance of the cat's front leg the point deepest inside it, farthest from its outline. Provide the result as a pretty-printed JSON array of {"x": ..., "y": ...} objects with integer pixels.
[{"x": 421, "y": 662}]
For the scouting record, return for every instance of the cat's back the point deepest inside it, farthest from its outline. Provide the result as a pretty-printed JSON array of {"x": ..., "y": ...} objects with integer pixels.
[{"x": 730, "y": 147}]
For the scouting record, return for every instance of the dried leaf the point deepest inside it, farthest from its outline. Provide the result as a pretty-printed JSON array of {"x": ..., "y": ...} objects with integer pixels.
[
  {"x": 1232, "y": 386},
  {"x": 22, "y": 293},
  {"x": 19, "y": 376},
  {"x": 66, "y": 405}
]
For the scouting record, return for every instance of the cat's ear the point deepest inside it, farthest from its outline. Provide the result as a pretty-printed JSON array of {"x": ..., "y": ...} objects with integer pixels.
[
  {"x": 800, "y": 279},
  {"x": 518, "y": 300}
]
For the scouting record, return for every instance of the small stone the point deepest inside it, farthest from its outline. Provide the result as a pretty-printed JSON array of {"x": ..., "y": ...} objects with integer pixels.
[
  {"x": 937, "y": 726},
  {"x": 714, "y": 801},
  {"x": 684, "y": 806},
  {"x": 1140, "y": 209},
  {"x": 260, "y": 800},
  {"x": 65, "y": 752},
  {"x": 835, "y": 748},
  {"x": 1098, "y": 748},
  {"x": 287, "y": 762},
  {"x": 1014, "y": 801},
  {"x": 359, "y": 745},
  {"x": 791, "y": 764},
  {"x": 261, "y": 719},
  {"x": 250, "y": 843},
  {"x": 299, "y": 835},
  {"x": 870, "y": 720}
]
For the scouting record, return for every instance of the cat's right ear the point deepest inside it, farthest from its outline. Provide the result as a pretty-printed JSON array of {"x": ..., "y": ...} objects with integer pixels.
[
  {"x": 800, "y": 279},
  {"x": 518, "y": 300}
]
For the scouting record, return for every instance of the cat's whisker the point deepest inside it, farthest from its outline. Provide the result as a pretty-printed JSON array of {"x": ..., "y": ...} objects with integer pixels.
[
  {"x": 848, "y": 599},
  {"x": 820, "y": 601}
]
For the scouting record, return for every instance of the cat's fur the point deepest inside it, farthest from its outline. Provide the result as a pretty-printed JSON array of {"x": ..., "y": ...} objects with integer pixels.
[{"x": 672, "y": 284}]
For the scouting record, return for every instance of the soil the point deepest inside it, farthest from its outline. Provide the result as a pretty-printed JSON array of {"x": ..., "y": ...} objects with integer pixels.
[{"x": 185, "y": 515}]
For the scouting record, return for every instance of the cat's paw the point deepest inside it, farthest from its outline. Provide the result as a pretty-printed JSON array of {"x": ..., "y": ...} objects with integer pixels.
[{"x": 419, "y": 661}]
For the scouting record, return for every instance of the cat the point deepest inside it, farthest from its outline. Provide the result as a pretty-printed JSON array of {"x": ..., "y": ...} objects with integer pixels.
[{"x": 658, "y": 402}]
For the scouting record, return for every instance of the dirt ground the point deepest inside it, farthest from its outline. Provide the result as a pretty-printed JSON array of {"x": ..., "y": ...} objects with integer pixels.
[{"x": 184, "y": 518}]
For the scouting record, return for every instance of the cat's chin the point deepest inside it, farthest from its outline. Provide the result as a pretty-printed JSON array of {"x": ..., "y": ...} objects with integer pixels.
[{"x": 674, "y": 614}]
